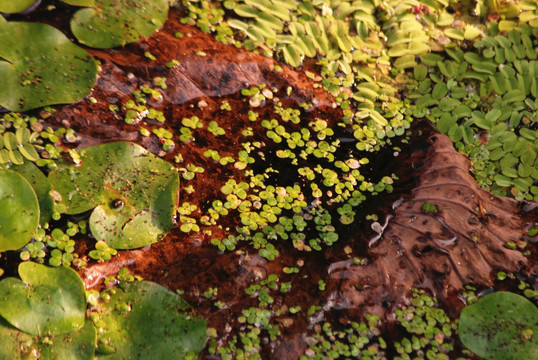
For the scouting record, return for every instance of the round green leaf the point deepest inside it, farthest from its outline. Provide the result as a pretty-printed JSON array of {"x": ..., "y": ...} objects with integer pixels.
[
  {"x": 134, "y": 193},
  {"x": 40, "y": 66},
  {"x": 41, "y": 186},
  {"x": 78, "y": 345},
  {"x": 501, "y": 325},
  {"x": 19, "y": 217},
  {"x": 46, "y": 301},
  {"x": 113, "y": 23},
  {"x": 80, "y": 2},
  {"x": 15, "y": 6},
  {"x": 146, "y": 321}
]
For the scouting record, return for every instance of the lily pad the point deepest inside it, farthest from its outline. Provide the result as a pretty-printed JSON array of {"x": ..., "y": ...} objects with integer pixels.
[
  {"x": 80, "y": 2},
  {"x": 41, "y": 186},
  {"x": 40, "y": 66},
  {"x": 112, "y": 23},
  {"x": 134, "y": 193},
  {"x": 48, "y": 301},
  {"x": 19, "y": 217},
  {"x": 15, "y": 6},
  {"x": 501, "y": 325},
  {"x": 146, "y": 321},
  {"x": 78, "y": 345}
]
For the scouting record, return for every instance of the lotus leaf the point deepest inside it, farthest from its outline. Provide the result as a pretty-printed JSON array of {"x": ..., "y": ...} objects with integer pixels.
[
  {"x": 501, "y": 325},
  {"x": 134, "y": 193},
  {"x": 146, "y": 321},
  {"x": 19, "y": 217},
  {"x": 41, "y": 186},
  {"x": 40, "y": 66},
  {"x": 78, "y": 345},
  {"x": 15, "y": 6},
  {"x": 113, "y": 23},
  {"x": 48, "y": 301}
]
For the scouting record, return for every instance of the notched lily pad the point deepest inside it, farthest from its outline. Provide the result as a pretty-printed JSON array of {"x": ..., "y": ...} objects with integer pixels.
[
  {"x": 40, "y": 66},
  {"x": 134, "y": 193},
  {"x": 501, "y": 325},
  {"x": 19, "y": 216},
  {"x": 146, "y": 321},
  {"x": 111, "y": 23},
  {"x": 78, "y": 345},
  {"x": 46, "y": 301}
]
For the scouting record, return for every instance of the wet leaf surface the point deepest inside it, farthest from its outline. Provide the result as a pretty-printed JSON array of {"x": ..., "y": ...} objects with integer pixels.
[
  {"x": 32, "y": 56},
  {"x": 15, "y": 6},
  {"x": 46, "y": 301},
  {"x": 501, "y": 325},
  {"x": 20, "y": 211},
  {"x": 78, "y": 345},
  {"x": 144, "y": 320},
  {"x": 41, "y": 186},
  {"x": 110, "y": 23},
  {"x": 134, "y": 193}
]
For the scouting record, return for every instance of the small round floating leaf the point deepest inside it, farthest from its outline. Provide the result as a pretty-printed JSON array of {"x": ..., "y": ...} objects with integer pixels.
[
  {"x": 19, "y": 216},
  {"x": 47, "y": 300},
  {"x": 146, "y": 321},
  {"x": 15, "y": 6},
  {"x": 78, "y": 345},
  {"x": 112, "y": 23},
  {"x": 40, "y": 66},
  {"x": 147, "y": 185},
  {"x": 501, "y": 325},
  {"x": 471, "y": 33}
]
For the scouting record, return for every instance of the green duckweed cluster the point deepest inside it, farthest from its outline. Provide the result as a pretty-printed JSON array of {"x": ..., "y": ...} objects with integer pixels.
[
  {"x": 483, "y": 97},
  {"x": 427, "y": 334}
]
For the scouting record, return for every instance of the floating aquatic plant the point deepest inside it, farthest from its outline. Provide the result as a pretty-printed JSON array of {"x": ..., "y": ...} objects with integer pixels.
[
  {"x": 143, "y": 320},
  {"x": 77, "y": 345},
  {"x": 42, "y": 187},
  {"x": 133, "y": 193},
  {"x": 18, "y": 224},
  {"x": 40, "y": 66},
  {"x": 501, "y": 325},
  {"x": 111, "y": 23},
  {"x": 35, "y": 305},
  {"x": 15, "y": 6}
]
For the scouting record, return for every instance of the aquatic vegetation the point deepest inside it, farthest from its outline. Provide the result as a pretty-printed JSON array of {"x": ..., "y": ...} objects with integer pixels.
[
  {"x": 77, "y": 345},
  {"x": 18, "y": 226},
  {"x": 108, "y": 23},
  {"x": 35, "y": 306},
  {"x": 15, "y": 6},
  {"x": 132, "y": 192},
  {"x": 41, "y": 66},
  {"x": 500, "y": 325},
  {"x": 297, "y": 181},
  {"x": 141, "y": 320}
]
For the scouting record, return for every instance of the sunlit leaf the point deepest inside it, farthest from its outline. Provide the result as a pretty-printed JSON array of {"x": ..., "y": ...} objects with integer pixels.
[
  {"x": 46, "y": 300},
  {"x": 112, "y": 23},
  {"x": 19, "y": 217},
  {"x": 40, "y": 66},
  {"x": 144, "y": 320},
  {"x": 134, "y": 193}
]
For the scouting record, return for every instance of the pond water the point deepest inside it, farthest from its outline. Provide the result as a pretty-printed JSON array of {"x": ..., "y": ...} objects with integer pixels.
[{"x": 433, "y": 229}]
